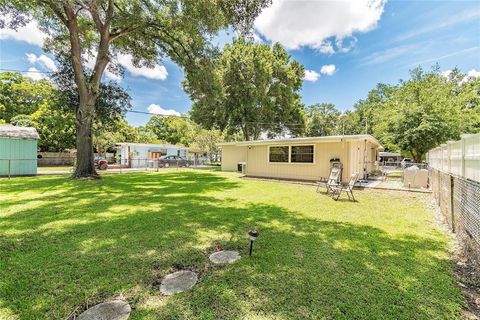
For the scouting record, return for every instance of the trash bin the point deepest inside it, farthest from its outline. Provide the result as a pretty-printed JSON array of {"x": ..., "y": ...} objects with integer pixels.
[{"x": 415, "y": 177}]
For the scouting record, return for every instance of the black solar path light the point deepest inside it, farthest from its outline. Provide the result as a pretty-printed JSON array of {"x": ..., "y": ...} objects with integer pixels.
[{"x": 253, "y": 234}]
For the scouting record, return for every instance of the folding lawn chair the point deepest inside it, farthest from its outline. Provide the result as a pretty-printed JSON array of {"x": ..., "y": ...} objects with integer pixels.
[
  {"x": 332, "y": 180},
  {"x": 347, "y": 188}
]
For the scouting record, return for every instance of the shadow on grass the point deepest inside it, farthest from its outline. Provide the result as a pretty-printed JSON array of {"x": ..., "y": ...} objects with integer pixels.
[{"x": 81, "y": 241}]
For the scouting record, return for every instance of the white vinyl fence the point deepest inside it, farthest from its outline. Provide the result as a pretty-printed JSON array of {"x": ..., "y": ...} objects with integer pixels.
[
  {"x": 460, "y": 158},
  {"x": 455, "y": 181}
]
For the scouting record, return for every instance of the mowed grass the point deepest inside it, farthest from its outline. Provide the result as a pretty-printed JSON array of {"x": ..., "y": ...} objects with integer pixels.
[
  {"x": 57, "y": 168},
  {"x": 66, "y": 245}
]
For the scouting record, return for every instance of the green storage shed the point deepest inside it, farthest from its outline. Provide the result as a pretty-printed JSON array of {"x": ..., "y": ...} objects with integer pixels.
[{"x": 18, "y": 151}]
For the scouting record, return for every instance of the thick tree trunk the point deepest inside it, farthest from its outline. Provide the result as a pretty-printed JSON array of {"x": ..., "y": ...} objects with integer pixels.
[
  {"x": 246, "y": 135},
  {"x": 85, "y": 167},
  {"x": 417, "y": 157}
]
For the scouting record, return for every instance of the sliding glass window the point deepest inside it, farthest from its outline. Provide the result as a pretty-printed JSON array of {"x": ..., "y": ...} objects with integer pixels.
[
  {"x": 302, "y": 154},
  {"x": 278, "y": 154}
]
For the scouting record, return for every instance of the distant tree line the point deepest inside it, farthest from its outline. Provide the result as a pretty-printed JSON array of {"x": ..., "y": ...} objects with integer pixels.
[
  {"x": 246, "y": 92},
  {"x": 411, "y": 117},
  {"x": 253, "y": 90}
]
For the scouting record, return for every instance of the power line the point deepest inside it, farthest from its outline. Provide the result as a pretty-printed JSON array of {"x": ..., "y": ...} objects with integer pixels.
[{"x": 244, "y": 122}]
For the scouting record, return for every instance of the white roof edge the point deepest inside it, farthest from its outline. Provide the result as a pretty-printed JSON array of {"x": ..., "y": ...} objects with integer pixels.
[
  {"x": 16, "y": 132},
  {"x": 150, "y": 145},
  {"x": 304, "y": 139}
]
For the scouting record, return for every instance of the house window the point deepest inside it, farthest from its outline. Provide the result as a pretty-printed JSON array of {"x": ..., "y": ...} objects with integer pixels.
[
  {"x": 278, "y": 154},
  {"x": 154, "y": 155},
  {"x": 302, "y": 154}
]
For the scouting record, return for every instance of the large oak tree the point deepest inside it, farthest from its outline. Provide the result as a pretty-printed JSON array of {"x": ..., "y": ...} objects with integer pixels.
[
  {"x": 252, "y": 88},
  {"x": 145, "y": 29}
]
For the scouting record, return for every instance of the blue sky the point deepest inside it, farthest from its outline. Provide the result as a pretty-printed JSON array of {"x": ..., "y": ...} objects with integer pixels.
[{"x": 347, "y": 48}]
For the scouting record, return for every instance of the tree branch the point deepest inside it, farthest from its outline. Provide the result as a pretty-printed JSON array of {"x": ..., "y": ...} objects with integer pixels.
[
  {"x": 75, "y": 49},
  {"x": 123, "y": 32},
  {"x": 103, "y": 57},
  {"x": 93, "y": 9},
  {"x": 56, "y": 10},
  {"x": 162, "y": 29}
]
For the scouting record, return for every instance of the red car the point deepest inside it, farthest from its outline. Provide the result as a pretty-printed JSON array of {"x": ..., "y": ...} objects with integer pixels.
[{"x": 100, "y": 163}]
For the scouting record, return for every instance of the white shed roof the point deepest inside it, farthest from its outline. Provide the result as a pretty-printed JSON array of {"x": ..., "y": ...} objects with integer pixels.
[{"x": 10, "y": 131}]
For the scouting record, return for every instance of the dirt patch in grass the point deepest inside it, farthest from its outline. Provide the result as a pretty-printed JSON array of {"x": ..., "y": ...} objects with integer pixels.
[
  {"x": 467, "y": 274},
  {"x": 467, "y": 265}
]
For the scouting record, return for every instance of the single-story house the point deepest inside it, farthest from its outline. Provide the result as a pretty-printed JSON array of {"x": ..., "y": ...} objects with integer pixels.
[
  {"x": 18, "y": 150},
  {"x": 302, "y": 158},
  {"x": 137, "y": 155}
]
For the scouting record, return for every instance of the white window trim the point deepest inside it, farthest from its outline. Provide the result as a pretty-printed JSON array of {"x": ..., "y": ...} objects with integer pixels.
[
  {"x": 290, "y": 154},
  {"x": 302, "y": 163}
]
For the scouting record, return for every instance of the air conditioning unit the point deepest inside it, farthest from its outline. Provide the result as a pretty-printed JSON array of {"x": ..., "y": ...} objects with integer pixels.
[{"x": 242, "y": 167}]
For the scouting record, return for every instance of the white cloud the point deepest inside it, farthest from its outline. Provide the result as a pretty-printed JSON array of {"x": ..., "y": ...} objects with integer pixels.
[
  {"x": 311, "y": 75},
  {"x": 158, "y": 72},
  {"x": 90, "y": 63},
  {"x": 35, "y": 74},
  {"x": 470, "y": 75},
  {"x": 346, "y": 44},
  {"x": 310, "y": 23},
  {"x": 155, "y": 108},
  {"x": 326, "y": 47},
  {"x": 452, "y": 20},
  {"x": 30, "y": 33},
  {"x": 473, "y": 74},
  {"x": 449, "y": 55},
  {"x": 446, "y": 73},
  {"x": 388, "y": 54},
  {"x": 43, "y": 60},
  {"x": 328, "y": 69}
]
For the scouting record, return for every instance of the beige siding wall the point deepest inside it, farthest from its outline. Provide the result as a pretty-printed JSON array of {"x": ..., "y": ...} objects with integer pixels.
[
  {"x": 231, "y": 155},
  {"x": 361, "y": 153},
  {"x": 258, "y": 165}
]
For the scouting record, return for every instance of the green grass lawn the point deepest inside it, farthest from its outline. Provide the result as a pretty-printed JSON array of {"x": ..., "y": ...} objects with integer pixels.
[
  {"x": 58, "y": 168},
  {"x": 67, "y": 244}
]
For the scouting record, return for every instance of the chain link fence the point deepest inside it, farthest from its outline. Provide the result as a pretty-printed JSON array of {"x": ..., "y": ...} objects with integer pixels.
[
  {"x": 29, "y": 167},
  {"x": 459, "y": 202}
]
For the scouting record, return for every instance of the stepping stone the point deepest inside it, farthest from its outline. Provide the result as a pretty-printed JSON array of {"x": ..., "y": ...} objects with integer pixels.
[
  {"x": 112, "y": 310},
  {"x": 222, "y": 257},
  {"x": 178, "y": 282}
]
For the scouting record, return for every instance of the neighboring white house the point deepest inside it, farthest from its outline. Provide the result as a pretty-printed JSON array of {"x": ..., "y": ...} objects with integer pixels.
[{"x": 136, "y": 155}]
